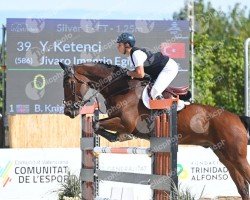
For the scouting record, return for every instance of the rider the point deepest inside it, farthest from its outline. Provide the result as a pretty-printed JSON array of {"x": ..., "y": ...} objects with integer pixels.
[{"x": 160, "y": 67}]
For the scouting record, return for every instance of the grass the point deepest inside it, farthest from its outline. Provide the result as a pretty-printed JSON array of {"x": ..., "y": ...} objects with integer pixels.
[
  {"x": 185, "y": 194},
  {"x": 71, "y": 188}
]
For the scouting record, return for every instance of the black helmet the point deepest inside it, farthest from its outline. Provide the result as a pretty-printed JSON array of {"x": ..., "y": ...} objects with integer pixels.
[{"x": 126, "y": 38}]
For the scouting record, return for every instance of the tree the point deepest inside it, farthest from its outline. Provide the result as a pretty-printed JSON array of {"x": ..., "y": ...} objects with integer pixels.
[
  {"x": 219, "y": 58},
  {"x": 1, "y": 86}
]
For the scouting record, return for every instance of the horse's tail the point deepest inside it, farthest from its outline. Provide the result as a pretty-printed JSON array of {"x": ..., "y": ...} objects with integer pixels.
[{"x": 246, "y": 121}]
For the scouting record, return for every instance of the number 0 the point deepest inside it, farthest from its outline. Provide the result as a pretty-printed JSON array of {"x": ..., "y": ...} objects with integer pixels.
[{"x": 39, "y": 82}]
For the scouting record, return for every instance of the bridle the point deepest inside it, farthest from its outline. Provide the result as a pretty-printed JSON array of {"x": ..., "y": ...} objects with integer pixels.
[{"x": 81, "y": 102}]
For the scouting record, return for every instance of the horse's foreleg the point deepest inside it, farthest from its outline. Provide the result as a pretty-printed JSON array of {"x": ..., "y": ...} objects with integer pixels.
[
  {"x": 111, "y": 137},
  {"x": 112, "y": 124},
  {"x": 240, "y": 182}
]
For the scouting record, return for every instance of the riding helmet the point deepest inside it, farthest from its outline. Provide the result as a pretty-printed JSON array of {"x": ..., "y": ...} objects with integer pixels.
[{"x": 126, "y": 38}]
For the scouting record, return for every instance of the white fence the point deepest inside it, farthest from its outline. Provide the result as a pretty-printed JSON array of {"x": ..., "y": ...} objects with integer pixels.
[{"x": 21, "y": 179}]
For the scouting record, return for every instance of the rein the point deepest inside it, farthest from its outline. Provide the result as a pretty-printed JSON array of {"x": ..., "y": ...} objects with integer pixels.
[{"x": 81, "y": 102}]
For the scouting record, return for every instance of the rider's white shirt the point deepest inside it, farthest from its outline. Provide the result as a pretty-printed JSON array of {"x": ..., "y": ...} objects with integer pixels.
[
  {"x": 167, "y": 75},
  {"x": 139, "y": 58}
]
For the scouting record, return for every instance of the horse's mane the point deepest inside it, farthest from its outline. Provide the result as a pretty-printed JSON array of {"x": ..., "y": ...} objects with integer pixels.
[
  {"x": 110, "y": 66},
  {"x": 107, "y": 65},
  {"x": 117, "y": 68},
  {"x": 104, "y": 64},
  {"x": 114, "y": 69}
]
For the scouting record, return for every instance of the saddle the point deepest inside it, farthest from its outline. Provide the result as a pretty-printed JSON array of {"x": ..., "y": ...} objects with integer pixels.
[{"x": 170, "y": 92}]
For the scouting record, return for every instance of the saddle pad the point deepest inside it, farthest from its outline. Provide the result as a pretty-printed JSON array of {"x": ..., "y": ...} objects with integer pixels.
[{"x": 146, "y": 98}]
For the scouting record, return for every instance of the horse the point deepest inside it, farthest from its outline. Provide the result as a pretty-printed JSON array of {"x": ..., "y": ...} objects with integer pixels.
[{"x": 210, "y": 127}]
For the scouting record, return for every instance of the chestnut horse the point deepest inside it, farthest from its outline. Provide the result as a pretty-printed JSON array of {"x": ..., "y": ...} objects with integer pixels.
[{"x": 224, "y": 132}]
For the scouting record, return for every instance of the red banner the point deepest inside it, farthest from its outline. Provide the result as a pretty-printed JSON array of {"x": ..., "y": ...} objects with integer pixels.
[{"x": 173, "y": 50}]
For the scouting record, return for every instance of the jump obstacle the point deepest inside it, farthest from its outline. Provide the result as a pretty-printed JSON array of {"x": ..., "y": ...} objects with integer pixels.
[{"x": 163, "y": 150}]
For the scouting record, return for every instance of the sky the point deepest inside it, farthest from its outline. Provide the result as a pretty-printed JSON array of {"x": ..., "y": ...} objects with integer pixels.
[{"x": 101, "y": 9}]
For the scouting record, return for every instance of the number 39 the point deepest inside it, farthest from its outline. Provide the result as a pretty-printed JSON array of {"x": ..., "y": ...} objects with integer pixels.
[{"x": 23, "y": 46}]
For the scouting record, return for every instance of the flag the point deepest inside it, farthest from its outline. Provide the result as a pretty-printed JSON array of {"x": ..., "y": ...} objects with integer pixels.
[
  {"x": 173, "y": 50},
  {"x": 22, "y": 108}
]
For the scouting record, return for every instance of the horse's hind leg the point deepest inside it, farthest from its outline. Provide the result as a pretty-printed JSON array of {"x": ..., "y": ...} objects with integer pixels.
[
  {"x": 236, "y": 153},
  {"x": 240, "y": 182},
  {"x": 243, "y": 167}
]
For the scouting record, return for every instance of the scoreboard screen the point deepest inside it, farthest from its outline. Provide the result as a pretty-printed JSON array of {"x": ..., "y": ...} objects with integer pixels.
[{"x": 35, "y": 46}]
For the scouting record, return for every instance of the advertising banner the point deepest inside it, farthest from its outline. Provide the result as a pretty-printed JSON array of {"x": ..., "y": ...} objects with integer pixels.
[
  {"x": 199, "y": 171},
  {"x": 36, "y": 47},
  {"x": 36, "y": 174}
]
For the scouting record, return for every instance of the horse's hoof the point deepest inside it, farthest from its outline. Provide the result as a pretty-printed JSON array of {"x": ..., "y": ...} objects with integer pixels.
[{"x": 112, "y": 138}]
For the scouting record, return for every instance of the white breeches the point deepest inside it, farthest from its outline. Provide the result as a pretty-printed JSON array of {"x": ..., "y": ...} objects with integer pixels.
[{"x": 167, "y": 75}]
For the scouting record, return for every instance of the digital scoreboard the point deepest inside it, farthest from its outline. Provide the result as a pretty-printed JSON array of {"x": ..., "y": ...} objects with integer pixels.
[{"x": 35, "y": 46}]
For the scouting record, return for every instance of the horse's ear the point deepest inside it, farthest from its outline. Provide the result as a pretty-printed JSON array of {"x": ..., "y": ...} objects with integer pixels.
[
  {"x": 63, "y": 66},
  {"x": 68, "y": 69}
]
